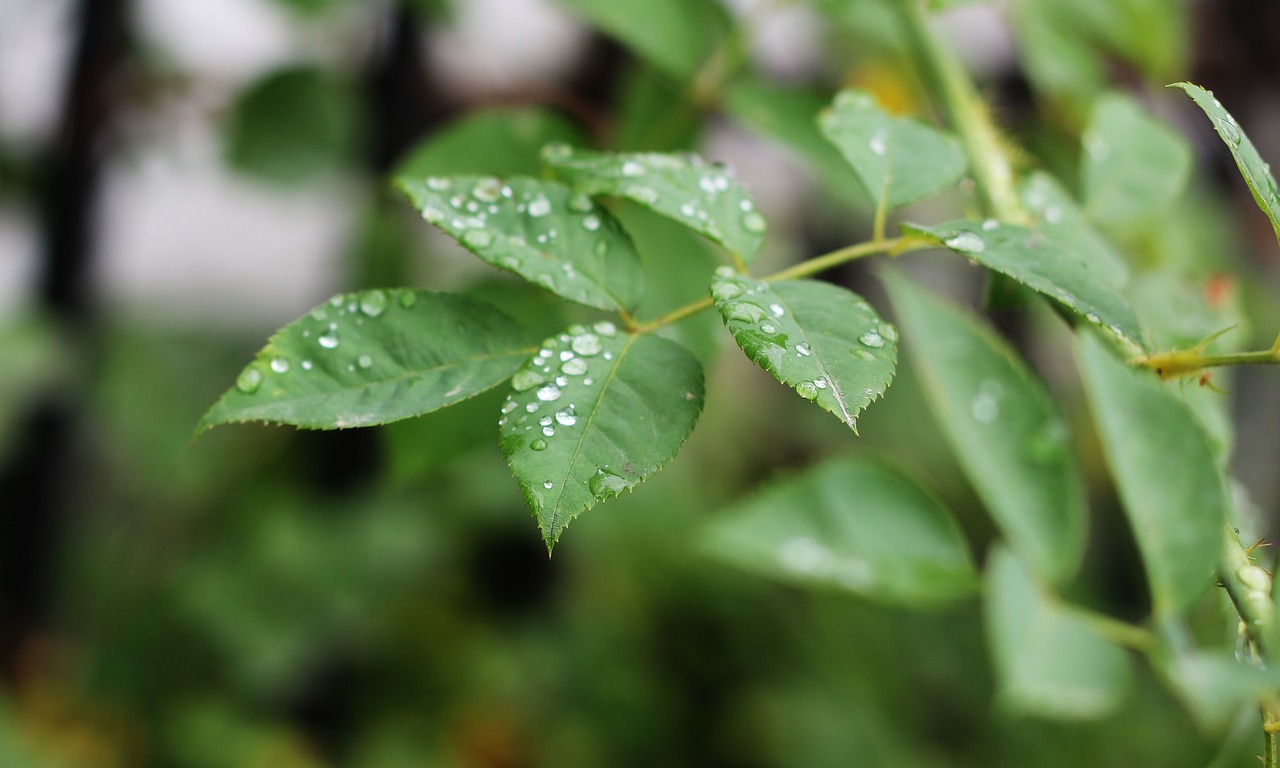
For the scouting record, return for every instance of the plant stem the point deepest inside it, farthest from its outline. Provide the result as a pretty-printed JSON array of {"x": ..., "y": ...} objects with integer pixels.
[
  {"x": 1249, "y": 588},
  {"x": 967, "y": 115},
  {"x": 1118, "y": 632}
]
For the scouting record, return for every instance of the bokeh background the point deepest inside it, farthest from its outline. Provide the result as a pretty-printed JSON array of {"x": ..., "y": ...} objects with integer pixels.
[{"x": 178, "y": 178}]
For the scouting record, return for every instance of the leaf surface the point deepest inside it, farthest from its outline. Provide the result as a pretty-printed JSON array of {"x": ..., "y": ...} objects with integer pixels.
[
  {"x": 677, "y": 36},
  {"x": 1062, "y": 221},
  {"x": 373, "y": 357},
  {"x": 1037, "y": 260},
  {"x": 1133, "y": 164},
  {"x": 898, "y": 159},
  {"x": 1048, "y": 660},
  {"x": 1256, "y": 172},
  {"x": 502, "y": 142},
  {"x": 686, "y": 188},
  {"x": 540, "y": 230},
  {"x": 851, "y": 525},
  {"x": 821, "y": 340},
  {"x": 594, "y": 413},
  {"x": 1164, "y": 467},
  {"x": 1006, "y": 431}
]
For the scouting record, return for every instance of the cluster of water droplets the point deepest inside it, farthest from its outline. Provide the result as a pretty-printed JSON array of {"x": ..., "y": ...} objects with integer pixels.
[{"x": 321, "y": 334}]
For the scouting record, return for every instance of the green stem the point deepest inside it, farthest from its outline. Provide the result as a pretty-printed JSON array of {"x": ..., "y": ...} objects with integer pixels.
[
  {"x": 1266, "y": 357},
  {"x": 967, "y": 114},
  {"x": 1269, "y": 726},
  {"x": 1116, "y": 631},
  {"x": 1249, "y": 588}
]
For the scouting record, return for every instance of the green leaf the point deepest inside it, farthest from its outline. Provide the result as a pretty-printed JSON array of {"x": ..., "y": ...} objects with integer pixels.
[
  {"x": 292, "y": 125},
  {"x": 1256, "y": 172},
  {"x": 1133, "y": 164},
  {"x": 1164, "y": 467},
  {"x": 373, "y": 357},
  {"x": 850, "y": 525},
  {"x": 1006, "y": 430},
  {"x": 1215, "y": 686},
  {"x": 1048, "y": 659},
  {"x": 540, "y": 230},
  {"x": 899, "y": 160},
  {"x": 594, "y": 413},
  {"x": 677, "y": 36},
  {"x": 703, "y": 197},
  {"x": 1037, "y": 260},
  {"x": 501, "y": 142},
  {"x": 824, "y": 342},
  {"x": 1062, "y": 221}
]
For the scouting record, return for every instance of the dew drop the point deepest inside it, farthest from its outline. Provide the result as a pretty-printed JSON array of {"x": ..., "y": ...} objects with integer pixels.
[
  {"x": 863, "y": 354},
  {"x": 989, "y": 225},
  {"x": 803, "y": 349},
  {"x": 605, "y": 328},
  {"x": 889, "y": 332},
  {"x": 432, "y": 214},
  {"x": 746, "y": 312},
  {"x": 777, "y": 310},
  {"x": 306, "y": 365},
  {"x": 548, "y": 393},
  {"x": 373, "y": 303},
  {"x": 820, "y": 383},
  {"x": 768, "y": 328},
  {"x": 643, "y": 195},
  {"x": 632, "y": 168},
  {"x": 532, "y": 407},
  {"x": 319, "y": 313},
  {"x": 965, "y": 242},
  {"x": 408, "y": 299},
  {"x": 538, "y": 445},
  {"x": 364, "y": 361},
  {"x": 438, "y": 184},
  {"x": 807, "y": 390},
  {"x": 754, "y": 223},
  {"x": 591, "y": 223},
  {"x": 586, "y": 344},
  {"x": 877, "y": 144},
  {"x": 539, "y": 207},
  {"x": 509, "y": 406},
  {"x": 548, "y": 485},
  {"x": 487, "y": 189},
  {"x": 726, "y": 291},
  {"x": 579, "y": 203},
  {"x": 525, "y": 379},
  {"x": 566, "y": 417},
  {"x": 871, "y": 339},
  {"x": 280, "y": 365},
  {"x": 477, "y": 238},
  {"x": 588, "y": 381},
  {"x": 575, "y": 367},
  {"x": 329, "y": 340},
  {"x": 1229, "y": 130},
  {"x": 985, "y": 406},
  {"x": 605, "y": 484},
  {"x": 249, "y": 380},
  {"x": 549, "y": 431}
]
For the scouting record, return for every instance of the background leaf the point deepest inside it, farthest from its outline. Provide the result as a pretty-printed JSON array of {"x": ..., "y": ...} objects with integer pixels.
[
  {"x": 1256, "y": 172},
  {"x": 821, "y": 340},
  {"x": 1007, "y": 432},
  {"x": 1040, "y": 262},
  {"x": 373, "y": 357},
  {"x": 540, "y": 230},
  {"x": 1062, "y": 220},
  {"x": 851, "y": 525},
  {"x": 502, "y": 142},
  {"x": 1133, "y": 164},
  {"x": 594, "y": 413},
  {"x": 703, "y": 197},
  {"x": 899, "y": 159},
  {"x": 1048, "y": 660},
  {"x": 1165, "y": 469},
  {"x": 677, "y": 36}
]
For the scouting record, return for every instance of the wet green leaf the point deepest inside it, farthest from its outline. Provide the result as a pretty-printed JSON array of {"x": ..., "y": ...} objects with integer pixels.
[
  {"x": 1048, "y": 660},
  {"x": 1164, "y": 467},
  {"x": 594, "y": 413},
  {"x": 373, "y": 357},
  {"x": 824, "y": 342},
  {"x": 1041, "y": 262},
  {"x": 850, "y": 525},
  {"x": 677, "y": 36},
  {"x": 701, "y": 196},
  {"x": 540, "y": 230},
  {"x": 1058, "y": 216},
  {"x": 1256, "y": 172},
  {"x": 898, "y": 159},
  {"x": 502, "y": 142},
  {"x": 1007, "y": 432},
  {"x": 1133, "y": 164}
]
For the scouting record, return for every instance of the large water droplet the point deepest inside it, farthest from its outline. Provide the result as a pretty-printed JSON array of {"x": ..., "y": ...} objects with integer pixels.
[
  {"x": 575, "y": 367},
  {"x": 249, "y": 380},
  {"x": 605, "y": 328},
  {"x": 280, "y": 365},
  {"x": 726, "y": 291},
  {"x": 548, "y": 393},
  {"x": 754, "y": 223},
  {"x": 566, "y": 417},
  {"x": 807, "y": 390},
  {"x": 538, "y": 445},
  {"x": 364, "y": 361},
  {"x": 871, "y": 339},
  {"x": 373, "y": 303},
  {"x": 525, "y": 379},
  {"x": 586, "y": 344},
  {"x": 539, "y": 207},
  {"x": 329, "y": 340},
  {"x": 965, "y": 242},
  {"x": 803, "y": 349},
  {"x": 605, "y": 484},
  {"x": 477, "y": 238},
  {"x": 1229, "y": 130},
  {"x": 746, "y": 312}
]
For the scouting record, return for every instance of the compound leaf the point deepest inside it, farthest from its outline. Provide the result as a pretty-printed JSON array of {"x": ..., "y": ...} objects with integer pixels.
[
  {"x": 373, "y": 357},
  {"x": 594, "y": 413}
]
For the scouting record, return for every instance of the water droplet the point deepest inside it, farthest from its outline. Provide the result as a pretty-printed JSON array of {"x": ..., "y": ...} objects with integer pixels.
[
  {"x": 432, "y": 214},
  {"x": 807, "y": 390},
  {"x": 985, "y": 407},
  {"x": 579, "y": 203},
  {"x": 777, "y": 310},
  {"x": 477, "y": 238},
  {"x": 820, "y": 383},
  {"x": 863, "y": 354},
  {"x": 591, "y": 223},
  {"x": 548, "y": 485},
  {"x": 488, "y": 189},
  {"x": 373, "y": 303},
  {"x": 989, "y": 225},
  {"x": 642, "y": 195},
  {"x": 871, "y": 339},
  {"x": 509, "y": 406},
  {"x": 588, "y": 381},
  {"x": 280, "y": 365},
  {"x": 548, "y": 393},
  {"x": 605, "y": 328},
  {"x": 532, "y": 407},
  {"x": 889, "y": 332},
  {"x": 605, "y": 484},
  {"x": 803, "y": 350},
  {"x": 538, "y": 445},
  {"x": 549, "y": 431},
  {"x": 1229, "y": 130},
  {"x": 364, "y": 361},
  {"x": 438, "y": 184},
  {"x": 319, "y": 313},
  {"x": 575, "y": 367},
  {"x": 249, "y": 380},
  {"x": 965, "y": 242},
  {"x": 566, "y": 417},
  {"x": 539, "y": 207},
  {"x": 725, "y": 291},
  {"x": 768, "y": 328},
  {"x": 586, "y": 344},
  {"x": 408, "y": 299},
  {"x": 877, "y": 144},
  {"x": 632, "y": 168},
  {"x": 754, "y": 223},
  {"x": 306, "y": 365},
  {"x": 525, "y": 379},
  {"x": 329, "y": 340},
  {"x": 746, "y": 312}
]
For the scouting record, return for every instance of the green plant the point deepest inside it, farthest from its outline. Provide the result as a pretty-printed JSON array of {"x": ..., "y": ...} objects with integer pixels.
[{"x": 600, "y": 406}]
